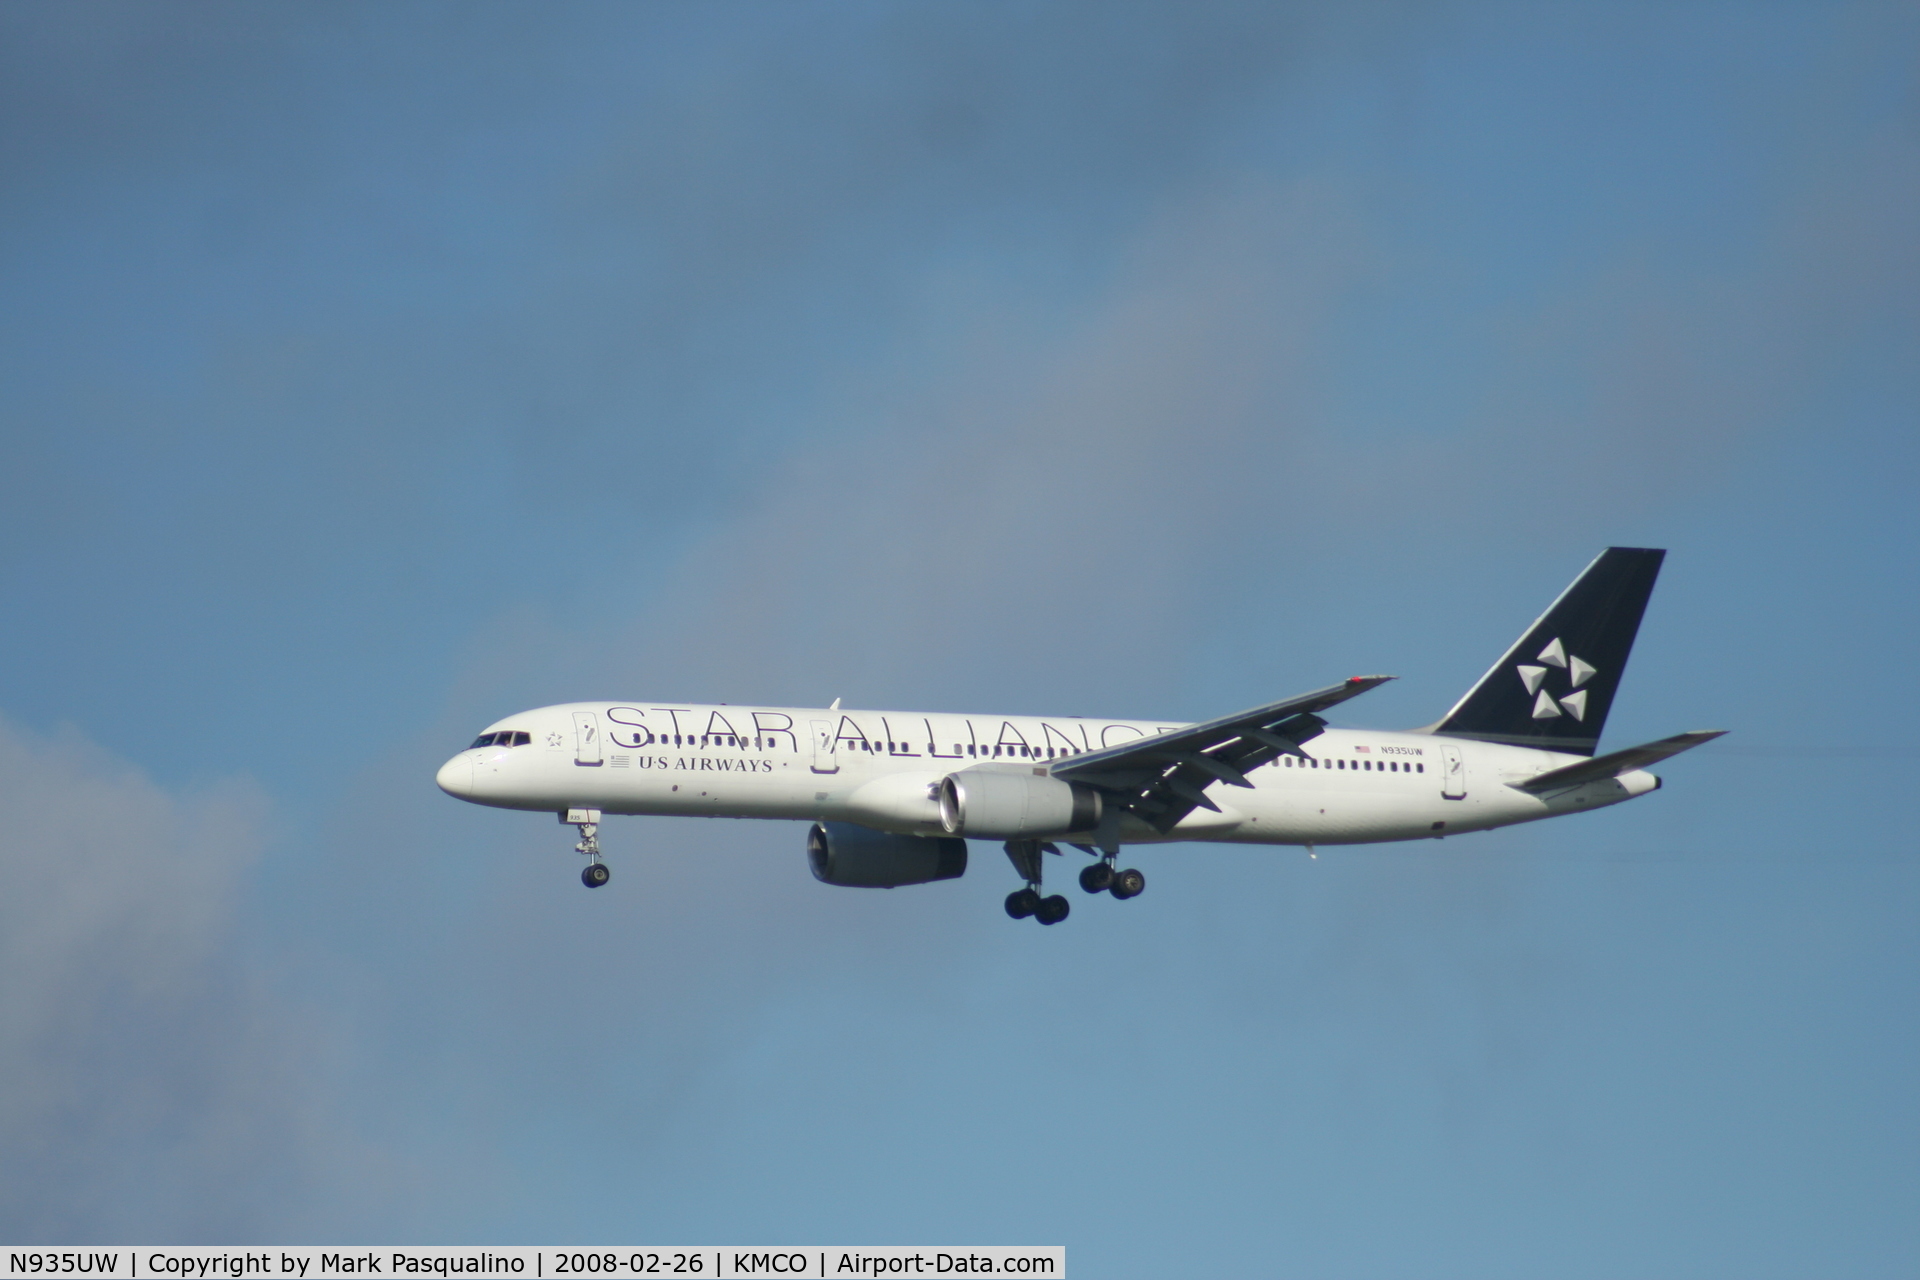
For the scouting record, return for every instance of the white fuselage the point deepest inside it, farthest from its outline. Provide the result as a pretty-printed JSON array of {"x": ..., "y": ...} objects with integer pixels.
[{"x": 880, "y": 768}]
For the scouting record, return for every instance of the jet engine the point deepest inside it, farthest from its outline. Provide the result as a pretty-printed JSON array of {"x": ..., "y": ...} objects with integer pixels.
[
  {"x": 1006, "y": 806},
  {"x": 846, "y": 853}
]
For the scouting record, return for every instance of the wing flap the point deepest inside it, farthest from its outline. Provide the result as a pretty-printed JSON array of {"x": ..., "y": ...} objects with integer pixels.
[{"x": 1162, "y": 779}]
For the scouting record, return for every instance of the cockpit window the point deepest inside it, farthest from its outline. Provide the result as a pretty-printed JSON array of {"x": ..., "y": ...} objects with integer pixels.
[{"x": 504, "y": 738}]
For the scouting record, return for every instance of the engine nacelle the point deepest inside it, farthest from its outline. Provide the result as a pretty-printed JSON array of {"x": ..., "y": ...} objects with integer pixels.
[
  {"x": 846, "y": 853},
  {"x": 997, "y": 805}
]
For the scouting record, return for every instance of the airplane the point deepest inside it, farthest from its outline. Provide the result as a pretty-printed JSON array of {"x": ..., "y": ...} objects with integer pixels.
[{"x": 893, "y": 797}]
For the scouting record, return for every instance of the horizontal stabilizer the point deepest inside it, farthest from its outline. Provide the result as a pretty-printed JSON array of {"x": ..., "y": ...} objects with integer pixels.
[{"x": 1616, "y": 763}]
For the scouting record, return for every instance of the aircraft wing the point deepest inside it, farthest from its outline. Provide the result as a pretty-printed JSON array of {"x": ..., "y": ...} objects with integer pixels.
[
  {"x": 1618, "y": 762},
  {"x": 1164, "y": 778}
]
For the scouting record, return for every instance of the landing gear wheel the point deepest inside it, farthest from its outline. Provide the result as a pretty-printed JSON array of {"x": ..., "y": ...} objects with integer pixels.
[
  {"x": 1022, "y": 903},
  {"x": 1127, "y": 884},
  {"x": 1096, "y": 876},
  {"x": 1052, "y": 910},
  {"x": 595, "y": 875}
]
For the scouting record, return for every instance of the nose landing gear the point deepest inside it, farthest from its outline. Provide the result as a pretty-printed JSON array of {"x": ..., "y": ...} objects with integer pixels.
[{"x": 595, "y": 873}]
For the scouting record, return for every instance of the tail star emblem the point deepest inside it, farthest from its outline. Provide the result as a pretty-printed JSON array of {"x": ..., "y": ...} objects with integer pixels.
[{"x": 1534, "y": 677}]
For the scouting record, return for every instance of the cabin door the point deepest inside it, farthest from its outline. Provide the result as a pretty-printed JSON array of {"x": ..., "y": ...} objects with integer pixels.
[
  {"x": 824, "y": 760},
  {"x": 1453, "y": 773},
  {"x": 586, "y": 738}
]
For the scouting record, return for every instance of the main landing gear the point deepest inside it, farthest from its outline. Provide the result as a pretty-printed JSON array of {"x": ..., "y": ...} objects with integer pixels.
[
  {"x": 1021, "y": 903},
  {"x": 1103, "y": 877},
  {"x": 595, "y": 873},
  {"x": 1100, "y": 877}
]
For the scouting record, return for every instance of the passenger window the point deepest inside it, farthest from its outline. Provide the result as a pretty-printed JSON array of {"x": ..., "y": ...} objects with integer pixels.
[{"x": 1422, "y": 768}]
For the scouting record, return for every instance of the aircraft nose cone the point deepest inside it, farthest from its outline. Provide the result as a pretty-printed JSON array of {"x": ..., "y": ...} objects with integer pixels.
[{"x": 456, "y": 776}]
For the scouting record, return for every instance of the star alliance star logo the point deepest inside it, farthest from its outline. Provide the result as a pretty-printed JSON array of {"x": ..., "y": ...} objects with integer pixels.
[{"x": 1545, "y": 707}]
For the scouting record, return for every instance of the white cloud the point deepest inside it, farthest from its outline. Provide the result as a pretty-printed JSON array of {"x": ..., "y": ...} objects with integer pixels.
[{"x": 150, "y": 1084}]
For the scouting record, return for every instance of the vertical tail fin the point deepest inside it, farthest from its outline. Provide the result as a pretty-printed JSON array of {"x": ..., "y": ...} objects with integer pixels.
[{"x": 1555, "y": 685}]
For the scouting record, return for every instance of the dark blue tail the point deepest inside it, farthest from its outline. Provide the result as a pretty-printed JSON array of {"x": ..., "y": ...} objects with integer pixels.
[{"x": 1554, "y": 687}]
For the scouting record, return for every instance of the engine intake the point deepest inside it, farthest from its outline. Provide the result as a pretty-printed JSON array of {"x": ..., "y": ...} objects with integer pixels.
[
  {"x": 848, "y": 854},
  {"x": 1005, "y": 806}
]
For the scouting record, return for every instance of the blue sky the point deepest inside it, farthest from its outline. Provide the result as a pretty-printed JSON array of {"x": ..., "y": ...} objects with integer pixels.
[{"x": 370, "y": 372}]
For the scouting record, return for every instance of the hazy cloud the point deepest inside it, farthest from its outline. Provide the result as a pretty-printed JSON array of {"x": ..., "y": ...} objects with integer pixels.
[{"x": 151, "y": 1083}]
